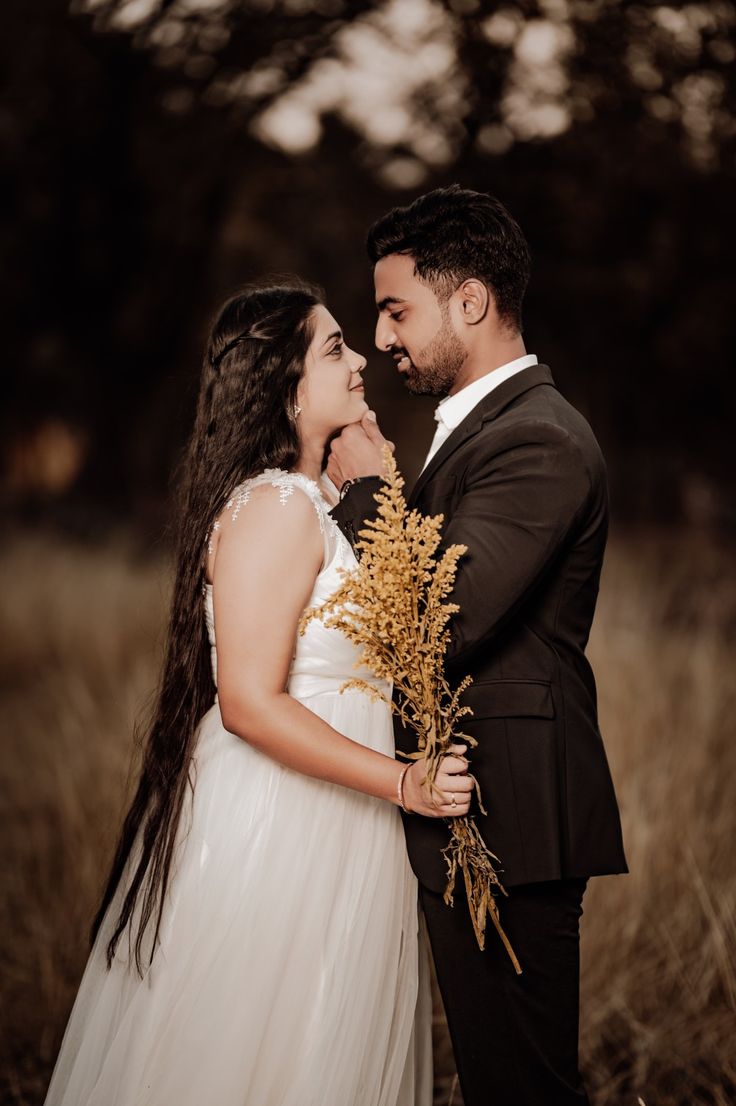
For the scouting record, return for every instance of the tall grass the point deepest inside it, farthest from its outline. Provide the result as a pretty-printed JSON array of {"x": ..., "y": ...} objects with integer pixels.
[
  {"x": 659, "y": 945},
  {"x": 80, "y": 638},
  {"x": 80, "y": 635}
]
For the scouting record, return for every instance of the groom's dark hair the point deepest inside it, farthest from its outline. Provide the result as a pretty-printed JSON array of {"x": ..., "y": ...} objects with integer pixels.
[{"x": 454, "y": 234}]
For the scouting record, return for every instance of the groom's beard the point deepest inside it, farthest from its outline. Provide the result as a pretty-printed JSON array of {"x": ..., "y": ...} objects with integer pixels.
[{"x": 438, "y": 363}]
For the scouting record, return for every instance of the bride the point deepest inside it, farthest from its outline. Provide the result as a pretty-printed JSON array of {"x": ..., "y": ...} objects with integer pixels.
[{"x": 257, "y": 941}]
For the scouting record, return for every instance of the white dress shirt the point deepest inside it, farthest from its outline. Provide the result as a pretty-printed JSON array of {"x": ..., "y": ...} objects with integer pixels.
[{"x": 453, "y": 409}]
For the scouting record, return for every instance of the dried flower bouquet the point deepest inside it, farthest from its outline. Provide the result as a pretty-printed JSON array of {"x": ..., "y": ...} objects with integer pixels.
[{"x": 394, "y": 607}]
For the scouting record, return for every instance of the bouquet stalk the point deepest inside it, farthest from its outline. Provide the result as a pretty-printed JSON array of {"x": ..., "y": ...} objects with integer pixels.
[{"x": 395, "y": 607}]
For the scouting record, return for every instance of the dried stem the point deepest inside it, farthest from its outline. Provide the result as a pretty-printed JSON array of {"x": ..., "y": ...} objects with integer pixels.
[{"x": 394, "y": 607}]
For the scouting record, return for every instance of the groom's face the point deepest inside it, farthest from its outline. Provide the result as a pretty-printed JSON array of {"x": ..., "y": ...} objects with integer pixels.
[{"x": 416, "y": 328}]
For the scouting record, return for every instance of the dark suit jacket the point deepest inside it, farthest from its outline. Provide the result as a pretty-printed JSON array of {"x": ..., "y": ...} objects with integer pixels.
[{"x": 522, "y": 482}]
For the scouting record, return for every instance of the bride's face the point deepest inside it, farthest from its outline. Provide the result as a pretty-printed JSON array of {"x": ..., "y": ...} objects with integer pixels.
[{"x": 331, "y": 392}]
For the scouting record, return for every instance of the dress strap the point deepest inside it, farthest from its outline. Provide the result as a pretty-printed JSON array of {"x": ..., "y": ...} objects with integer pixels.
[{"x": 286, "y": 482}]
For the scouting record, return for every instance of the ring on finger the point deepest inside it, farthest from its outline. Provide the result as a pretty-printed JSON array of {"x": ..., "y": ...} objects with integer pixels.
[{"x": 453, "y": 803}]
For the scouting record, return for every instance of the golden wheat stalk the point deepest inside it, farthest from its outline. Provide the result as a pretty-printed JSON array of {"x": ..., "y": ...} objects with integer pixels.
[{"x": 394, "y": 607}]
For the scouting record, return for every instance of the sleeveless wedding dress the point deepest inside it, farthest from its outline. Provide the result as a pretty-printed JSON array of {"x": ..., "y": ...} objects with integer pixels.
[{"x": 290, "y": 970}]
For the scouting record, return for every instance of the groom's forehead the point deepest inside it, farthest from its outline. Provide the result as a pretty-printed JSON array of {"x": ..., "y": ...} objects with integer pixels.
[{"x": 395, "y": 280}]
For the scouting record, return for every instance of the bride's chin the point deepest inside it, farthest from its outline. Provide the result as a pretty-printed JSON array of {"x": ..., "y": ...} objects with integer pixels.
[
  {"x": 353, "y": 414},
  {"x": 356, "y": 413}
]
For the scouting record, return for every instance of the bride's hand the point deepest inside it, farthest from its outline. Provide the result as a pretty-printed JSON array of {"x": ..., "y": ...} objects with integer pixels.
[{"x": 452, "y": 783}]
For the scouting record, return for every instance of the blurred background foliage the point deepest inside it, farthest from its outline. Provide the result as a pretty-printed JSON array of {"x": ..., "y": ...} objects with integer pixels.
[{"x": 158, "y": 153}]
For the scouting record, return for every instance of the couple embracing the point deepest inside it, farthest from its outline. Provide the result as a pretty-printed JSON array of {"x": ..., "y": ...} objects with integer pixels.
[{"x": 260, "y": 939}]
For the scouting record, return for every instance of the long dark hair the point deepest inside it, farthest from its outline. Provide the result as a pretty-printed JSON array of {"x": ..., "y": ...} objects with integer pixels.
[{"x": 253, "y": 363}]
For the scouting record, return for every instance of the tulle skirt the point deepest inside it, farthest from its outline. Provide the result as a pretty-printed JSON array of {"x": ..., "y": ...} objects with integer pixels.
[{"x": 290, "y": 970}]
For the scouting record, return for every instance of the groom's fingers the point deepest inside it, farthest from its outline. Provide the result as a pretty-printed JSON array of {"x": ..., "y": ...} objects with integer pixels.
[
  {"x": 355, "y": 452},
  {"x": 372, "y": 429},
  {"x": 369, "y": 422}
]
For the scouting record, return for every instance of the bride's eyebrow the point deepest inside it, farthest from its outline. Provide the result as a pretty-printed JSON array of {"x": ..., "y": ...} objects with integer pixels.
[{"x": 335, "y": 334}]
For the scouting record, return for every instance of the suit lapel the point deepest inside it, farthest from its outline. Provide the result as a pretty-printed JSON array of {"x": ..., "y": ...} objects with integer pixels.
[{"x": 488, "y": 408}]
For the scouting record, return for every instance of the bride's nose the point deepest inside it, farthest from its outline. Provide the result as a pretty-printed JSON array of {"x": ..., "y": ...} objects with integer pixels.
[{"x": 359, "y": 362}]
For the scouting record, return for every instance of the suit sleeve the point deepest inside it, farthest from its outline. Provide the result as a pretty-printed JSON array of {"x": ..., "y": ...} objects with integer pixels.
[
  {"x": 356, "y": 506},
  {"x": 517, "y": 510},
  {"x": 515, "y": 515}
]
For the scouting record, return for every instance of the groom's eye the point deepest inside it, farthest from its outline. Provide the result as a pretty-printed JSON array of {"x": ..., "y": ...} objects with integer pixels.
[{"x": 397, "y": 316}]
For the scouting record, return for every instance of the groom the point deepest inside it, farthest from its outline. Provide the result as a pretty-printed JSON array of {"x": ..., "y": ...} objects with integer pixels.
[{"x": 520, "y": 480}]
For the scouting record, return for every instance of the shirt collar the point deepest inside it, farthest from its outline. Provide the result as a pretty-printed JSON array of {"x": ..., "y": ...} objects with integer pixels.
[{"x": 453, "y": 409}]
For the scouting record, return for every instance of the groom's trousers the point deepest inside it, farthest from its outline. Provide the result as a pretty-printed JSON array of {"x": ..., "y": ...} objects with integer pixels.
[{"x": 515, "y": 1037}]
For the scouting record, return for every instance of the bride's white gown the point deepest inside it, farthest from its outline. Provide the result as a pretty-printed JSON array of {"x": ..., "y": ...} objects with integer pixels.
[{"x": 290, "y": 971}]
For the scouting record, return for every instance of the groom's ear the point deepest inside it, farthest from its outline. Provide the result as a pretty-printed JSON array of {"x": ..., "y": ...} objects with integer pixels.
[{"x": 474, "y": 301}]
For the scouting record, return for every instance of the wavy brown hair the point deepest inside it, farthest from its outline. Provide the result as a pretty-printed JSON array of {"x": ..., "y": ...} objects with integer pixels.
[{"x": 253, "y": 363}]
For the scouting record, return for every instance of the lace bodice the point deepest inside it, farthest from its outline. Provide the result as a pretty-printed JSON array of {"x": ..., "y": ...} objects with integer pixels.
[{"x": 323, "y": 658}]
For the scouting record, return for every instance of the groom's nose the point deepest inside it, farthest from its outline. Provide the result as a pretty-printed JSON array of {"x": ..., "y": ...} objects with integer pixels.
[{"x": 385, "y": 337}]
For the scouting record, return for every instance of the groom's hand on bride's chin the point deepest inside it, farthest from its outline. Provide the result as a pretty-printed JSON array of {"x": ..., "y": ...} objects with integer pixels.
[{"x": 358, "y": 451}]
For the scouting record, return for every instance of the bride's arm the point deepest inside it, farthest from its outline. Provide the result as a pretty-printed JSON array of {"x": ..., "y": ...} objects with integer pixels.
[{"x": 266, "y": 563}]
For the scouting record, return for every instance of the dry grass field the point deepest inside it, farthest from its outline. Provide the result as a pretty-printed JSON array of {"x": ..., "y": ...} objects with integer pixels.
[{"x": 80, "y": 634}]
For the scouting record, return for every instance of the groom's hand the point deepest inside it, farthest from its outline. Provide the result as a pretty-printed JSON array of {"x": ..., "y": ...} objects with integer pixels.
[{"x": 358, "y": 451}]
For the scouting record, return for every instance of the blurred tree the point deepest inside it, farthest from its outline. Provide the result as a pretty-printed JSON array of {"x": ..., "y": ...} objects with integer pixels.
[{"x": 160, "y": 151}]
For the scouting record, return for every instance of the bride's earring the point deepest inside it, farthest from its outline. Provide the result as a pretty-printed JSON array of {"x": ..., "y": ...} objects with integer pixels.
[{"x": 297, "y": 412}]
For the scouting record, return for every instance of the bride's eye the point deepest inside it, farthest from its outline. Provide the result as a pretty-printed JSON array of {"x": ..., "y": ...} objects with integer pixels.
[{"x": 336, "y": 350}]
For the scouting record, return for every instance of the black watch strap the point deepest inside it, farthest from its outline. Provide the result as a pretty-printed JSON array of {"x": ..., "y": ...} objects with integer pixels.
[{"x": 356, "y": 480}]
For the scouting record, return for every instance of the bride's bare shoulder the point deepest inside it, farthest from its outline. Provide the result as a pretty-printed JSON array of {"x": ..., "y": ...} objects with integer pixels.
[{"x": 268, "y": 515}]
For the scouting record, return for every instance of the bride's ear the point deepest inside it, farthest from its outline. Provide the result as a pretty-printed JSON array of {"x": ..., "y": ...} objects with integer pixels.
[
  {"x": 475, "y": 301},
  {"x": 298, "y": 406}
]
